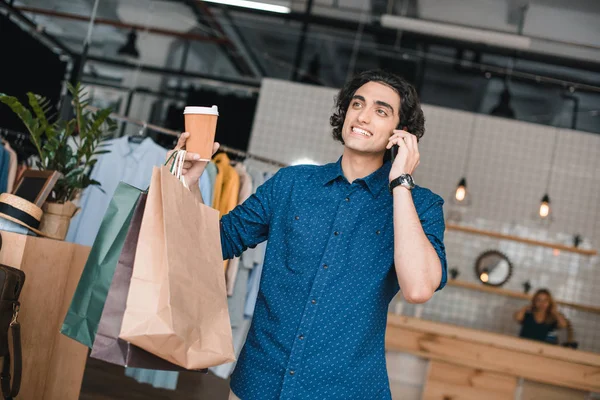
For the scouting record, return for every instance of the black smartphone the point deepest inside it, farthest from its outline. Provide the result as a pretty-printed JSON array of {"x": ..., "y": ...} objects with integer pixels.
[
  {"x": 394, "y": 149},
  {"x": 393, "y": 152}
]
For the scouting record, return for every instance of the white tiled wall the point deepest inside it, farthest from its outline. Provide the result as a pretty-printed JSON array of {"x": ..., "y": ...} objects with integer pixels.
[{"x": 506, "y": 177}]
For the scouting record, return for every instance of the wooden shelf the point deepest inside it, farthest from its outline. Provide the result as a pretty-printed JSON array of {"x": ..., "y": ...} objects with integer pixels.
[
  {"x": 498, "y": 235},
  {"x": 517, "y": 295}
]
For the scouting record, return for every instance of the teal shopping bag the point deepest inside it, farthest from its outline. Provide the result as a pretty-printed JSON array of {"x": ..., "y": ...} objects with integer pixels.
[{"x": 83, "y": 316}]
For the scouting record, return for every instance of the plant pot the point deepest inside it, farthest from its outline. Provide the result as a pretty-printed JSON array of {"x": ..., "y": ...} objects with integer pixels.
[{"x": 57, "y": 218}]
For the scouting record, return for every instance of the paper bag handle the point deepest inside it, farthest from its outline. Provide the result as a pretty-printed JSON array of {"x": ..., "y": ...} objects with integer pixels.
[{"x": 177, "y": 165}]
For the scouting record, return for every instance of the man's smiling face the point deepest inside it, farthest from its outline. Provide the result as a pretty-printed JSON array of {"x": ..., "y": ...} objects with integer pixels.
[{"x": 373, "y": 114}]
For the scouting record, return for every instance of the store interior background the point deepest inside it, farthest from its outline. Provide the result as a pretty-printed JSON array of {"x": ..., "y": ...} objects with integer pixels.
[{"x": 287, "y": 68}]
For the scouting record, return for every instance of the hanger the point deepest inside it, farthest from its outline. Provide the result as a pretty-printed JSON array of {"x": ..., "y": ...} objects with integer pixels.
[{"x": 139, "y": 138}]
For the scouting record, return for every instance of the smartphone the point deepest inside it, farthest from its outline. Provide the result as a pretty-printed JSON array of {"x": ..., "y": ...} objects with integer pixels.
[
  {"x": 393, "y": 152},
  {"x": 394, "y": 149}
]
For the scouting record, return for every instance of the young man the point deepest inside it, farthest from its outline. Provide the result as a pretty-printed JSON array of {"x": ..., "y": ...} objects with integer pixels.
[{"x": 343, "y": 238}]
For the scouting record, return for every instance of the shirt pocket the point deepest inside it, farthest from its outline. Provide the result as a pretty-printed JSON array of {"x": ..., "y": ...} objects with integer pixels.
[
  {"x": 372, "y": 245},
  {"x": 304, "y": 239}
]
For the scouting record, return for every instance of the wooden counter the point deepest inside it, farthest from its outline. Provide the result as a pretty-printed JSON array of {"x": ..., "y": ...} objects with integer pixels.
[
  {"x": 53, "y": 364},
  {"x": 468, "y": 364}
]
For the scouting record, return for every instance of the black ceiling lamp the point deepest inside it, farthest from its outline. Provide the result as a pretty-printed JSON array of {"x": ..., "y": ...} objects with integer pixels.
[
  {"x": 504, "y": 108},
  {"x": 130, "y": 48}
]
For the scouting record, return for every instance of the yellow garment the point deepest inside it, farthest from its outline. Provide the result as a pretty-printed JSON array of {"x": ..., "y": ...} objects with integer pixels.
[
  {"x": 227, "y": 188},
  {"x": 227, "y": 185}
]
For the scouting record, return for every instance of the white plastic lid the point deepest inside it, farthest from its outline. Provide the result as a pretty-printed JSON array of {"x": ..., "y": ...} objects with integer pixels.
[{"x": 214, "y": 110}]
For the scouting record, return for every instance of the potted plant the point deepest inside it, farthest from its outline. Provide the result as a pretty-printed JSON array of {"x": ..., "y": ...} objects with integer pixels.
[{"x": 70, "y": 147}]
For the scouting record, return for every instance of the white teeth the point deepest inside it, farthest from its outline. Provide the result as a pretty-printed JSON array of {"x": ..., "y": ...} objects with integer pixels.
[{"x": 362, "y": 132}]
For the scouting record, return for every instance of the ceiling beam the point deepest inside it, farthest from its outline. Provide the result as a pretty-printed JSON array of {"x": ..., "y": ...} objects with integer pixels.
[
  {"x": 374, "y": 27},
  {"x": 243, "y": 82},
  {"x": 124, "y": 25},
  {"x": 205, "y": 15}
]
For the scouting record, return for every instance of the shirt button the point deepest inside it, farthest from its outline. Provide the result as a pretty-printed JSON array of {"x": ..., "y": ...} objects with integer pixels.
[
  {"x": 347, "y": 198},
  {"x": 314, "y": 301},
  {"x": 325, "y": 266},
  {"x": 292, "y": 372},
  {"x": 296, "y": 218},
  {"x": 301, "y": 337},
  {"x": 378, "y": 232},
  {"x": 336, "y": 233}
]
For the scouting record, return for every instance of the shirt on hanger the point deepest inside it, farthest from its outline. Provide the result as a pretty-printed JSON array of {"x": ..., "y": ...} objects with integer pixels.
[
  {"x": 228, "y": 188},
  {"x": 319, "y": 323},
  {"x": 127, "y": 162},
  {"x": 206, "y": 188},
  {"x": 211, "y": 171}
]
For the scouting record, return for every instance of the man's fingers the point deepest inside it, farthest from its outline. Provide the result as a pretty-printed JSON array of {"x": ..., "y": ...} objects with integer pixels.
[
  {"x": 402, "y": 133},
  {"x": 396, "y": 139},
  {"x": 182, "y": 139},
  {"x": 411, "y": 143},
  {"x": 215, "y": 147},
  {"x": 192, "y": 157}
]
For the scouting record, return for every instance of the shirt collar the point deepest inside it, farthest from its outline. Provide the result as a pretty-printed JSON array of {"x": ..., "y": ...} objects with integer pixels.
[
  {"x": 375, "y": 182},
  {"x": 136, "y": 151}
]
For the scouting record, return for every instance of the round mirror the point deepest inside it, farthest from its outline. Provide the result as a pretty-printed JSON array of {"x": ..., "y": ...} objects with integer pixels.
[{"x": 493, "y": 268}]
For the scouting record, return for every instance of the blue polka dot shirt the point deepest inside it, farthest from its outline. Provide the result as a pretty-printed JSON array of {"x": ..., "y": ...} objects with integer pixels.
[{"x": 319, "y": 323}]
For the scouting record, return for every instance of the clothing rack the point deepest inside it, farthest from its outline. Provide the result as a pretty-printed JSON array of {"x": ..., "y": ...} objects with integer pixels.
[{"x": 144, "y": 125}]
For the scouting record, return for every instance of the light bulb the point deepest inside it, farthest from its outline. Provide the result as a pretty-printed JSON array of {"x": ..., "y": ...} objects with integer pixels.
[
  {"x": 461, "y": 193},
  {"x": 544, "y": 209},
  {"x": 484, "y": 277},
  {"x": 545, "y": 206},
  {"x": 461, "y": 190}
]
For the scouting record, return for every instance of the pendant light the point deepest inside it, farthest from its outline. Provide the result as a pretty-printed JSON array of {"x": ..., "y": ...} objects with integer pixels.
[
  {"x": 461, "y": 194},
  {"x": 130, "y": 47},
  {"x": 544, "y": 209}
]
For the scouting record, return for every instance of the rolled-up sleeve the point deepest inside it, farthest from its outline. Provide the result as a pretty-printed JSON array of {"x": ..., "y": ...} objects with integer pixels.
[
  {"x": 248, "y": 224},
  {"x": 434, "y": 226}
]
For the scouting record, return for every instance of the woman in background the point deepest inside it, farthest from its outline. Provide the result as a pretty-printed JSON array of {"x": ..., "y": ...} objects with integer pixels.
[{"x": 540, "y": 317}]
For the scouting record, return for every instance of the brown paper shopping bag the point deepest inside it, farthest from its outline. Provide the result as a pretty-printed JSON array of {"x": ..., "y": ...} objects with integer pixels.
[
  {"x": 177, "y": 301},
  {"x": 107, "y": 345}
]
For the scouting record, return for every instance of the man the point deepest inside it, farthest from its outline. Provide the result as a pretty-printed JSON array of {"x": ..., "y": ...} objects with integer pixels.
[{"x": 342, "y": 239}]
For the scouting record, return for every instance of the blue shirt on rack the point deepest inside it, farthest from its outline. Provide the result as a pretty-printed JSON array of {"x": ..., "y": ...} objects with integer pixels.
[{"x": 320, "y": 318}]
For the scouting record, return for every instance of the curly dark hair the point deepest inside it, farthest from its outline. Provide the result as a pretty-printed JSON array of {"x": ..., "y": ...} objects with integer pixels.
[{"x": 411, "y": 114}]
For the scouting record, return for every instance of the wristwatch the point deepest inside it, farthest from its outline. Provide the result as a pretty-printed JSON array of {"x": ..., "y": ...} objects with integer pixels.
[{"x": 405, "y": 180}]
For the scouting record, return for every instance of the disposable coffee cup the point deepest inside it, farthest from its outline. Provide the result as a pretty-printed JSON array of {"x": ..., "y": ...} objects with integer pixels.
[{"x": 201, "y": 123}]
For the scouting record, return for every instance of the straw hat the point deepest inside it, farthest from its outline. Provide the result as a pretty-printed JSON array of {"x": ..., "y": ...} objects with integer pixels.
[{"x": 21, "y": 211}]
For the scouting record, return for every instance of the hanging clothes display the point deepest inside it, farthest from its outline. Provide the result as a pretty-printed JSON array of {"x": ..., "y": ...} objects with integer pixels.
[{"x": 128, "y": 162}]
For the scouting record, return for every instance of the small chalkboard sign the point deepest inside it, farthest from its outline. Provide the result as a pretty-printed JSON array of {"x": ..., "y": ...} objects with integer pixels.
[{"x": 36, "y": 186}]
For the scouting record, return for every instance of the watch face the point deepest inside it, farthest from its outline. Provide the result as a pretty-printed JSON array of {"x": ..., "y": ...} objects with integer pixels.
[{"x": 408, "y": 181}]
